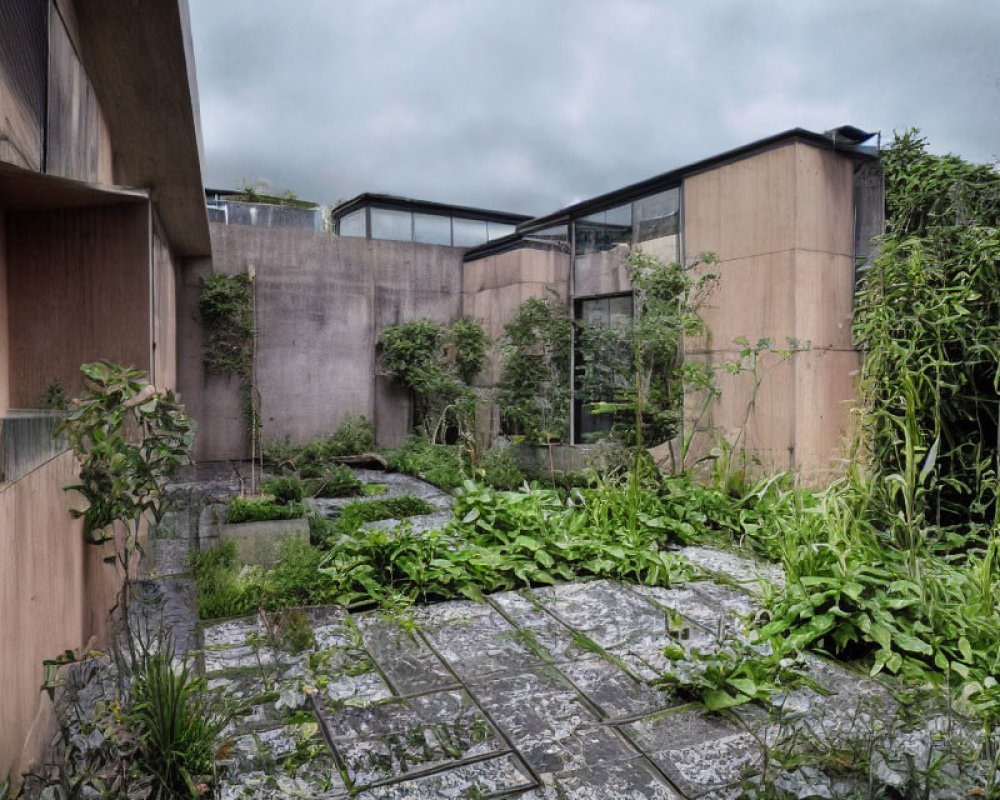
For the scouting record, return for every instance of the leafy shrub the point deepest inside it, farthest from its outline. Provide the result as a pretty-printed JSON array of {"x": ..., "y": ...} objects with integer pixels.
[
  {"x": 221, "y": 593},
  {"x": 354, "y": 515},
  {"x": 500, "y": 469},
  {"x": 534, "y": 390},
  {"x": 285, "y": 490},
  {"x": 336, "y": 481},
  {"x": 435, "y": 463},
  {"x": 354, "y": 435},
  {"x": 260, "y": 509},
  {"x": 295, "y": 579},
  {"x": 175, "y": 725}
]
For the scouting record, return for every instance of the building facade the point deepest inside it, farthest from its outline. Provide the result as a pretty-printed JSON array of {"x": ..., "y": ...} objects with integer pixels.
[{"x": 101, "y": 204}]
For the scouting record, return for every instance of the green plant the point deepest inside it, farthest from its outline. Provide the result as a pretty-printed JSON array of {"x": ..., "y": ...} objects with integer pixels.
[
  {"x": 534, "y": 389},
  {"x": 175, "y": 725},
  {"x": 499, "y": 469},
  {"x": 634, "y": 373},
  {"x": 735, "y": 670},
  {"x": 54, "y": 397},
  {"x": 261, "y": 509},
  {"x": 438, "y": 464},
  {"x": 435, "y": 363},
  {"x": 225, "y": 304},
  {"x": 286, "y": 491}
]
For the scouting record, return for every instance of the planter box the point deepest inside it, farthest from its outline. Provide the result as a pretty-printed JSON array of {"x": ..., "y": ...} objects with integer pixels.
[{"x": 259, "y": 542}]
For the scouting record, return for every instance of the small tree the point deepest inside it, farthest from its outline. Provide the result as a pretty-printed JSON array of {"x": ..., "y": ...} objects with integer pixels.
[
  {"x": 436, "y": 364},
  {"x": 637, "y": 373},
  {"x": 534, "y": 391},
  {"x": 129, "y": 440}
]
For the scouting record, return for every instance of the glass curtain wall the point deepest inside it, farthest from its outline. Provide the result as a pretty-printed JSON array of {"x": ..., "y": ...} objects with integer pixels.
[{"x": 603, "y": 303}]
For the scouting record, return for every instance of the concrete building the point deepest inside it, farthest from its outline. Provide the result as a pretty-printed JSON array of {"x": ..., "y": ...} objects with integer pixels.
[
  {"x": 101, "y": 204},
  {"x": 789, "y": 217}
]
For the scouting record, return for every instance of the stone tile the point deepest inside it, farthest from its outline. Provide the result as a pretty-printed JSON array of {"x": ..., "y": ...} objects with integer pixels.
[
  {"x": 490, "y": 777},
  {"x": 231, "y": 633},
  {"x": 613, "y": 691},
  {"x": 306, "y": 783},
  {"x": 740, "y": 568},
  {"x": 402, "y": 655},
  {"x": 635, "y": 779},
  {"x": 392, "y": 739},
  {"x": 546, "y": 720},
  {"x": 244, "y": 657},
  {"x": 266, "y": 748},
  {"x": 474, "y": 638},
  {"x": 346, "y": 676},
  {"x": 551, "y": 636},
  {"x": 685, "y": 601},
  {"x": 606, "y": 612},
  {"x": 697, "y": 750}
]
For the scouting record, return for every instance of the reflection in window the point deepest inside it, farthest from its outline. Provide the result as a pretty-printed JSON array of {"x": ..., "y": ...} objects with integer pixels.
[
  {"x": 391, "y": 224},
  {"x": 604, "y": 230},
  {"x": 352, "y": 224},
  {"x": 469, "y": 232},
  {"x": 658, "y": 223},
  {"x": 602, "y": 362},
  {"x": 431, "y": 229}
]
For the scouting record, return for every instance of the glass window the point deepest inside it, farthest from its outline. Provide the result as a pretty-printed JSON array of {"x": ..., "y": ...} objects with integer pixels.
[
  {"x": 559, "y": 234},
  {"x": 469, "y": 232},
  {"x": 497, "y": 230},
  {"x": 603, "y": 361},
  {"x": 604, "y": 230},
  {"x": 391, "y": 224},
  {"x": 352, "y": 224},
  {"x": 658, "y": 223},
  {"x": 431, "y": 229}
]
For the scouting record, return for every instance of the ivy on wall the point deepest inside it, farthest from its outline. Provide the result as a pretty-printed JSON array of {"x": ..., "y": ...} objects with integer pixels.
[{"x": 226, "y": 307}]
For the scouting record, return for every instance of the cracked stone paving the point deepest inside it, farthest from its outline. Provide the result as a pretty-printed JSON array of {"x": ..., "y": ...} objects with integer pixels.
[{"x": 541, "y": 693}]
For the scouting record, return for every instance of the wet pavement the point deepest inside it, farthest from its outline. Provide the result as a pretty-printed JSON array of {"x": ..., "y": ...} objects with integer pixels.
[{"x": 542, "y": 693}]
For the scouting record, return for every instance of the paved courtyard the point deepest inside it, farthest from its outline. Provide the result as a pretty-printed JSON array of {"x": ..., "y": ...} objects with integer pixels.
[{"x": 543, "y": 693}]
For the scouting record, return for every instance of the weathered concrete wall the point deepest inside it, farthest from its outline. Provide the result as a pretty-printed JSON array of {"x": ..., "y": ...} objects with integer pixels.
[
  {"x": 321, "y": 303},
  {"x": 78, "y": 144},
  {"x": 164, "y": 333},
  {"x": 4, "y": 331},
  {"x": 55, "y": 592},
  {"x": 77, "y": 290},
  {"x": 781, "y": 223}
]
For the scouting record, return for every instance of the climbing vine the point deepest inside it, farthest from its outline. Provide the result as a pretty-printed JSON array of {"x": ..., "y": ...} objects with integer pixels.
[{"x": 226, "y": 307}]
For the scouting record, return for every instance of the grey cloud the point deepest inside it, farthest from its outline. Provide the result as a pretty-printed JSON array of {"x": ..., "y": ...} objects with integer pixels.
[{"x": 531, "y": 104}]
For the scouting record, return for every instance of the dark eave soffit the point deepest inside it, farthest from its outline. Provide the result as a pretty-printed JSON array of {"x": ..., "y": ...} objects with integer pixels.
[
  {"x": 140, "y": 59},
  {"x": 369, "y": 199}
]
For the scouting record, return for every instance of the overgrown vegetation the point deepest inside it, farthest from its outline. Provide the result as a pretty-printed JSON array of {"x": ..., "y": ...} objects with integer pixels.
[
  {"x": 636, "y": 374},
  {"x": 436, "y": 364},
  {"x": 225, "y": 304},
  {"x": 534, "y": 389}
]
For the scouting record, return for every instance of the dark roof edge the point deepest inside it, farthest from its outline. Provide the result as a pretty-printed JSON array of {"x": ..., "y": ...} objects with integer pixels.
[
  {"x": 675, "y": 176},
  {"x": 429, "y": 206},
  {"x": 514, "y": 241}
]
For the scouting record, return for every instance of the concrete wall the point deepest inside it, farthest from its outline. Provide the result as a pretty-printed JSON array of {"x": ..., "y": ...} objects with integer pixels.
[
  {"x": 782, "y": 224},
  {"x": 77, "y": 290},
  {"x": 54, "y": 592},
  {"x": 321, "y": 303},
  {"x": 4, "y": 329},
  {"x": 78, "y": 144}
]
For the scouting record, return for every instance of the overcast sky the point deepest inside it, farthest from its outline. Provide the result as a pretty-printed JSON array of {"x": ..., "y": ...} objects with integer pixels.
[{"x": 529, "y": 105}]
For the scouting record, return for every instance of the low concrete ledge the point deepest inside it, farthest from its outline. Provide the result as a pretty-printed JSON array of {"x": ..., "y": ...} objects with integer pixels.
[{"x": 259, "y": 542}]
